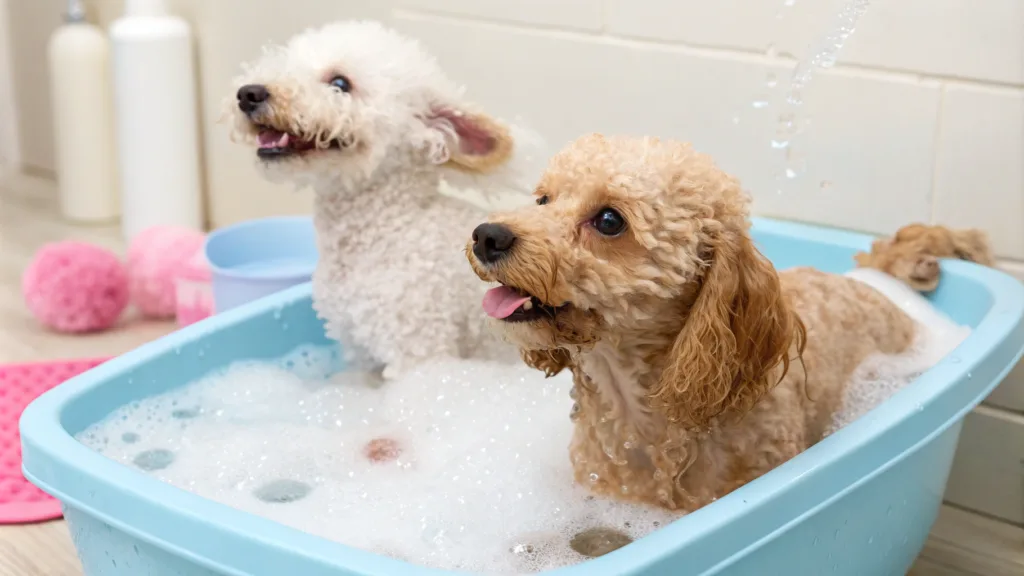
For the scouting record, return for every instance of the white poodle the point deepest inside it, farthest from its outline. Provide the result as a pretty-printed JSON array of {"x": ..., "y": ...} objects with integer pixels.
[{"x": 366, "y": 118}]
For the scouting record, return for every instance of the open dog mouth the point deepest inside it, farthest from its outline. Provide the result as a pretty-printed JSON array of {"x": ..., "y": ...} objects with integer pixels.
[
  {"x": 515, "y": 305},
  {"x": 277, "y": 144}
]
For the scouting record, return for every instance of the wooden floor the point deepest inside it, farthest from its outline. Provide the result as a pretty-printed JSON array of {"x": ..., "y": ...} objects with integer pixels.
[{"x": 961, "y": 543}]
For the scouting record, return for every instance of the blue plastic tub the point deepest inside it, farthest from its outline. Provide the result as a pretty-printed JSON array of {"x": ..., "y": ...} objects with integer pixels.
[
  {"x": 257, "y": 258},
  {"x": 860, "y": 503}
]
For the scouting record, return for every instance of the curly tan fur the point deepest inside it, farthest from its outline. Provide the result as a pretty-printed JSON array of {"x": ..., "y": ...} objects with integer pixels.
[
  {"x": 913, "y": 254},
  {"x": 697, "y": 366}
]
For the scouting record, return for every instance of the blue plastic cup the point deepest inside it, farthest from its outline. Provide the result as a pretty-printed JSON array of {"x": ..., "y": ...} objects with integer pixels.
[{"x": 260, "y": 257}]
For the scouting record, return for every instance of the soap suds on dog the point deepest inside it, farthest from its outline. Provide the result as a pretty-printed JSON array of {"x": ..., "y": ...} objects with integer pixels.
[{"x": 459, "y": 465}]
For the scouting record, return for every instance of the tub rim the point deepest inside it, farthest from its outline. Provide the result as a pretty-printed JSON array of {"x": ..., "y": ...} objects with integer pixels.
[{"x": 50, "y": 452}]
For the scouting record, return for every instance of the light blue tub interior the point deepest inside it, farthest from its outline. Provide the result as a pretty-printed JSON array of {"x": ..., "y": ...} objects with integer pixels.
[
  {"x": 859, "y": 503},
  {"x": 257, "y": 258}
]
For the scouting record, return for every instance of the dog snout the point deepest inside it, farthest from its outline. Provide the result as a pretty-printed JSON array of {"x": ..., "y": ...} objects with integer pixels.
[
  {"x": 251, "y": 96},
  {"x": 491, "y": 242}
]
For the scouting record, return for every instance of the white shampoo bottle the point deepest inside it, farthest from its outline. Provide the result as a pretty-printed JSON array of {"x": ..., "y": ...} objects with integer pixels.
[
  {"x": 157, "y": 124},
  {"x": 83, "y": 118}
]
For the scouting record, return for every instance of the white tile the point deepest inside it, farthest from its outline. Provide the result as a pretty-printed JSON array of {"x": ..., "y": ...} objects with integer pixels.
[
  {"x": 872, "y": 138},
  {"x": 577, "y": 14},
  {"x": 964, "y": 38},
  {"x": 739, "y": 24},
  {"x": 978, "y": 39},
  {"x": 980, "y": 165}
]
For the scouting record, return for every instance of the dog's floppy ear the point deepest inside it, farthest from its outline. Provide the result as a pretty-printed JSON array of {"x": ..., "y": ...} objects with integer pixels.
[
  {"x": 973, "y": 246},
  {"x": 550, "y": 362},
  {"x": 473, "y": 141},
  {"x": 736, "y": 334}
]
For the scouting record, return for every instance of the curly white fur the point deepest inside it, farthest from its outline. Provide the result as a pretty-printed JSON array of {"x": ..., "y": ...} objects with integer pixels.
[{"x": 392, "y": 283}]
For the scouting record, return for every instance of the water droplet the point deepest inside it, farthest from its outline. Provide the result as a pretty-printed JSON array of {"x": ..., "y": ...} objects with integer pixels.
[
  {"x": 871, "y": 539},
  {"x": 594, "y": 477},
  {"x": 152, "y": 460},
  {"x": 816, "y": 540},
  {"x": 771, "y": 81},
  {"x": 835, "y": 536},
  {"x": 791, "y": 173},
  {"x": 736, "y": 119},
  {"x": 282, "y": 491},
  {"x": 129, "y": 437},
  {"x": 969, "y": 375},
  {"x": 780, "y": 144},
  {"x": 759, "y": 103},
  {"x": 954, "y": 360},
  {"x": 789, "y": 3}
]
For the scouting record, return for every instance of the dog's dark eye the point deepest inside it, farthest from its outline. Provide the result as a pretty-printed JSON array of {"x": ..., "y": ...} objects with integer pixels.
[
  {"x": 341, "y": 83},
  {"x": 542, "y": 200},
  {"x": 609, "y": 222}
]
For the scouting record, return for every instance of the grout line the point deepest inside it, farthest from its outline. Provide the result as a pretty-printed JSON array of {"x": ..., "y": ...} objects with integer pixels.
[
  {"x": 492, "y": 23},
  {"x": 936, "y": 149},
  {"x": 706, "y": 51},
  {"x": 987, "y": 517}
]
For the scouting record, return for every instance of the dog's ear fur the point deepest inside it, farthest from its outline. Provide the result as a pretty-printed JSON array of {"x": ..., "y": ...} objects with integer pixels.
[
  {"x": 738, "y": 331},
  {"x": 472, "y": 141},
  {"x": 972, "y": 246},
  {"x": 550, "y": 362}
]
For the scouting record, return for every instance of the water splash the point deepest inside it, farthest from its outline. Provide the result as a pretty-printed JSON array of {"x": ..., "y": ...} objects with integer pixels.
[{"x": 823, "y": 55}]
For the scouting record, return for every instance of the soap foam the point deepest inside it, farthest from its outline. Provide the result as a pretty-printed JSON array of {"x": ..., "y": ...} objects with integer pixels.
[
  {"x": 880, "y": 376},
  {"x": 482, "y": 482},
  {"x": 474, "y": 472}
]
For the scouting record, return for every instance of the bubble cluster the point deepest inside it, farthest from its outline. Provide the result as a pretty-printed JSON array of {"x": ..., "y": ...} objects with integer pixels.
[
  {"x": 880, "y": 376},
  {"x": 420, "y": 469},
  {"x": 459, "y": 465}
]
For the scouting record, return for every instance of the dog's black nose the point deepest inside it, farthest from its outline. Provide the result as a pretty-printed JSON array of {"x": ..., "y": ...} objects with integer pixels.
[
  {"x": 251, "y": 96},
  {"x": 491, "y": 242}
]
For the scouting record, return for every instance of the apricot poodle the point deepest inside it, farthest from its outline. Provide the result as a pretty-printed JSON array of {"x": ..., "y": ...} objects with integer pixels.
[
  {"x": 697, "y": 366},
  {"x": 913, "y": 254}
]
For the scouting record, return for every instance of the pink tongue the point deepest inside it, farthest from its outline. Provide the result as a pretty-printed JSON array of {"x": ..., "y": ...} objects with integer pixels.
[
  {"x": 502, "y": 301},
  {"x": 273, "y": 139}
]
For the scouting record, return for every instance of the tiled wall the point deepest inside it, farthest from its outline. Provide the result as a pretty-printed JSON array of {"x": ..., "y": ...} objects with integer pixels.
[{"x": 922, "y": 119}]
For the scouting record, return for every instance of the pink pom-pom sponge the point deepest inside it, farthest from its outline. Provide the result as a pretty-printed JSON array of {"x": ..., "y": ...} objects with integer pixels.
[
  {"x": 75, "y": 287},
  {"x": 155, "y": 258}
]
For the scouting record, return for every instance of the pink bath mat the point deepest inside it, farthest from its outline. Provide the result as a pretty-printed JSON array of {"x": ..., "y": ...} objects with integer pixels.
[{"x": 20, "y": 384}]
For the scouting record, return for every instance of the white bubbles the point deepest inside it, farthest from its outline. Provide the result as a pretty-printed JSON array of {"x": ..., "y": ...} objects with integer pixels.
[
  {"x": 417, "y": 469},
  {"x": 880, "y": 376}
]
